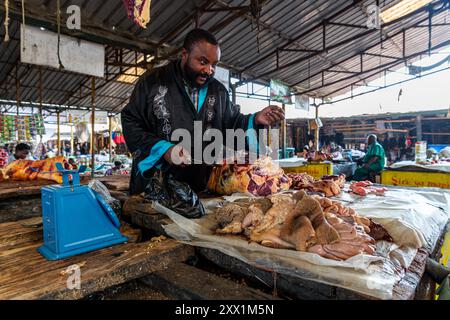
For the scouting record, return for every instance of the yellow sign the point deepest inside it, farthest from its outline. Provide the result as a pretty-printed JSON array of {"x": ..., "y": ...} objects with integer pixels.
[
  {"x": 416, "y": 179},
  {"x": 316, "y": 170},
  {"x": 445, "y": 260}
]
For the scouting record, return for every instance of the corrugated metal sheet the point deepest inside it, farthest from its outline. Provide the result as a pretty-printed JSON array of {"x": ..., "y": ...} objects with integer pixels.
[{"x": 243, "y": 42}]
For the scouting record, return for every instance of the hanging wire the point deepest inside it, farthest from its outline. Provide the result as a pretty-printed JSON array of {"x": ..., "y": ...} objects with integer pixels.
[
  {"x": 255, "y": 8},
  {"x": 58, "y": 18}
]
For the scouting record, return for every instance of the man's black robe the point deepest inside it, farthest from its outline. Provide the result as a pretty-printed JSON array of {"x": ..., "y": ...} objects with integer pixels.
[{"x": 158, "y": 106}]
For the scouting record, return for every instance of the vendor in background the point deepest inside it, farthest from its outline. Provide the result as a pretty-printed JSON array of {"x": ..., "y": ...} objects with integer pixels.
[
  {"x": 305, "y": 151},
  {"x": 67, "y": 150},
  {"x": 22, "y": 152},
  {"x": 3, "y": 157},
  {"x": 117, "y": 166},
  {"x": 373, "y": 162},
  {"x": 50, "y": 154},
  {"x": 73, "y": 163},
  {"x": 40, "y": 151},
  {"x": 84, "y": 148}
]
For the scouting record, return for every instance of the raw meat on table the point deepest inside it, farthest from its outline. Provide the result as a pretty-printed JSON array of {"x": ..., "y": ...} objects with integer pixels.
[{"x": 308, "y": 223}]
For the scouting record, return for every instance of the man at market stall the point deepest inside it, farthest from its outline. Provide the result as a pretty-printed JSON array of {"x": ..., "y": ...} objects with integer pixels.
[
  {"x": 373, "y": 161},
  {"x": 173, "y": 97},
  {"x": 21, "y": 152}
]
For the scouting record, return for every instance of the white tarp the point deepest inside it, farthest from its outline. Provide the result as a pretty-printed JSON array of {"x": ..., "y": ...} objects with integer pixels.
[{"x": 413, "y": 218}]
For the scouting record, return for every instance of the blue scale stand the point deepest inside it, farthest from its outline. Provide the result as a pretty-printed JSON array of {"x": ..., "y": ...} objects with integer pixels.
[{"x": 76, "y": 219}]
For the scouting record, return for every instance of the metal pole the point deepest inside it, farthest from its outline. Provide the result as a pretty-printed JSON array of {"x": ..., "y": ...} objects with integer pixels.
[
  {"x": 18, "y": 102},
  {"x": 40, "y": 94},
  {"x": 71, "y": 139},
  {"x": 40, "y": 90},
  {"x": 110, "y": 138},
  {"x": 419, "y": 127},
  {"x": 316, "y": 138},
  {"x": 269, "y": 138},
  {"x": 92, "y": 128},
  {"x": 58, "y": 141},
  {"x": 283, "y": 134},
  {"x": 233, "y": 94}
]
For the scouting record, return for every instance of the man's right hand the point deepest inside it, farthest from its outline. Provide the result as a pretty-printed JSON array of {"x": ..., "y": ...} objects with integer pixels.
[{"x": 177, "y": 156}]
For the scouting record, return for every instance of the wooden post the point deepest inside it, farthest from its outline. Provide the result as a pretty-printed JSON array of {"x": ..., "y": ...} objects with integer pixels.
[
  {"x": 110, "y": 137},
  {"x": 71, "y": 139},
  {"x": 58, "y": 139},
  {"x": 316, "y": 138},
  {"x": 40, "y": 95},
  {"x": 92, "y": 128}
]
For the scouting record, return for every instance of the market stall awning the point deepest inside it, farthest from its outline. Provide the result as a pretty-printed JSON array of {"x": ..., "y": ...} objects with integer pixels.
[{"x": 319, "y": 48}]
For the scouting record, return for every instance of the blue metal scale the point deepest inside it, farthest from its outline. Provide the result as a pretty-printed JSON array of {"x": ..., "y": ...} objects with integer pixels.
[{"x": 76, "y": 219}]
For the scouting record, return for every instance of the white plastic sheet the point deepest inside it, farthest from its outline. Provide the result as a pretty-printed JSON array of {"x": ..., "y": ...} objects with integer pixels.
[{"x": 413, "y": 218}]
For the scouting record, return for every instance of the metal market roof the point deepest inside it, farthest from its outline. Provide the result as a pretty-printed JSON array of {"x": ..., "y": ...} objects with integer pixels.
[{"x": 319, "y": 48}]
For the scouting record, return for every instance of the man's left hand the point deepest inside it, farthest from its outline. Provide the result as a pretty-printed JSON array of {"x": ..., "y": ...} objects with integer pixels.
[
  {"x": 366, "y": 166},
  {"x": 269, "y": 116}
]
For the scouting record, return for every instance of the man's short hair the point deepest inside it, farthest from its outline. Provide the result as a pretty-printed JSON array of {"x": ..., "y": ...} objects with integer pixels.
[
  {"x": 23, "y": 147},
  {"x": 197, "y": 35}
]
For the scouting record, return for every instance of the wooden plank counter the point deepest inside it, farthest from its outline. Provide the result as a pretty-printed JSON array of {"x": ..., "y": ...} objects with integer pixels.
[
  {"x": 11, "y": 189},
  {"x": 25, "y": 274},
  {"x": 22, "y": 199}
]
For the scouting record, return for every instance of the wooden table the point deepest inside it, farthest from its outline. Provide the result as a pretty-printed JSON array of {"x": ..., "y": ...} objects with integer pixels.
[
  {"x": 13, "y": 189},
  {"x": 22, "y": 199},
  {"x": 25, "y": 274}
]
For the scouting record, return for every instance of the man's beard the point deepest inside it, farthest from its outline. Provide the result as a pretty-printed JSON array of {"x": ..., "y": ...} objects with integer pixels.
[{"x": 191, "y": 76}]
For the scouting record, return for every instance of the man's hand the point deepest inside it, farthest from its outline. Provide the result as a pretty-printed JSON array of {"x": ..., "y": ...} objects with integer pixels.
[
  {"x": 269, "y": 116},
  {"x": 177, "y": 155},
  {"x": 366, "y": 166}
]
